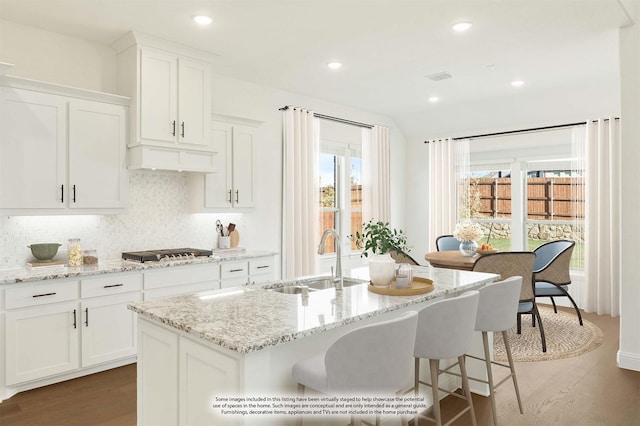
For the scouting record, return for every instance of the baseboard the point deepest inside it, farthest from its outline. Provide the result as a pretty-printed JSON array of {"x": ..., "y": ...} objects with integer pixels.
[{"x": 628, "y": 361}]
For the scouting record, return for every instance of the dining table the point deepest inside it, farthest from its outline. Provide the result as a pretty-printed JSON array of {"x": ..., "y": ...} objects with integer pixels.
[{"x": 451, "y": 259}]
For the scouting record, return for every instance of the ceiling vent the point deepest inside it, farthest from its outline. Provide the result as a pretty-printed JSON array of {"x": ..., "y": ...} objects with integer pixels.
[{"x": 439, "y": 76}]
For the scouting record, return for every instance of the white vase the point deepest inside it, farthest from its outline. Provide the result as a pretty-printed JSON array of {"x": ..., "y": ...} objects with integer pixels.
[{"x": 382, "y": 269}]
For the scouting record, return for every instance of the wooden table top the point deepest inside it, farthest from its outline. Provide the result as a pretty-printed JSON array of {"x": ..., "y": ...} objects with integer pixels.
[{"x": 451, "y": 259}]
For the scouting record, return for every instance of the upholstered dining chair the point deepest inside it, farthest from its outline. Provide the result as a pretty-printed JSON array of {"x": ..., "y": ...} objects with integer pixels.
[
  {"x": 444, "y": 331},
  {"x": 516, "y": 263},
  {"x": 447, "y": 242},
  {"x": 551, "y": 276},
  {"x": 368, "y": 360},
  {"x": 402, "y": 257}
]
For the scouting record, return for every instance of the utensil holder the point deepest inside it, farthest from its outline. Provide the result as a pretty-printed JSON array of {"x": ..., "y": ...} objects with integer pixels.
[{"x": 224, "y": 242}]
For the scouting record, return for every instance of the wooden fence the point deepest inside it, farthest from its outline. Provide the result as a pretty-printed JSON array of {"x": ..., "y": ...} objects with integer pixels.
[{"x": 548, "y": 198}]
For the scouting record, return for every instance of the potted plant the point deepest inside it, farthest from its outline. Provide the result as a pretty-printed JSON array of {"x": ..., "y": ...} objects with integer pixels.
[{"x": 378, "y": 239}]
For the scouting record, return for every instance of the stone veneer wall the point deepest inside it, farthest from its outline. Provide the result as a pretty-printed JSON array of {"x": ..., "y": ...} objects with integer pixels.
[
  {"x": 158, "y": 217},
  {"x": 538, "y": 231}
]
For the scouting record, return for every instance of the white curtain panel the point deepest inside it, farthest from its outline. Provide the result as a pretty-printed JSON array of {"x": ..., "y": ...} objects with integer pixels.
[
  {"x": 376, "y": 174},
  {"x": 300, "y": 210},
  {"x": 448, "y": 162},
  {"x": 602, "y": 217}
]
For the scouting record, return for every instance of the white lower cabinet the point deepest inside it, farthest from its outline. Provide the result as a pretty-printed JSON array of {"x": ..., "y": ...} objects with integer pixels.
[
  {"x": 186, "y": 279},
  {"x": 242, "y": 272},
  {"x": 41, "y": 341},
  {"x": 63, "y": 326},
  {"x": 183, "y": 394},
  {"x": 108, "y": 328}
]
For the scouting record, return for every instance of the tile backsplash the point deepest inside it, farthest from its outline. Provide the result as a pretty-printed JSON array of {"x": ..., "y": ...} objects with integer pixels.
[{"x": 158, "y": 217}]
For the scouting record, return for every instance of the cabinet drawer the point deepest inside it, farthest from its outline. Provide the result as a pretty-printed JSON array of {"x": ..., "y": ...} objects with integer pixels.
[
  {"x": 234, "y": 269},
  {"x": 177, "y": 275},
  {"x": 261, "y": 266},
  {"x": 110, "y": 284},
  {"x": 180, "y": 290},
  {"x": 41, "y": 293}
]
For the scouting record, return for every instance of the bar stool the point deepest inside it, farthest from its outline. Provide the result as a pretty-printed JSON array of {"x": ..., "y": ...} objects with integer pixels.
[
  {"x": 497, "y": 309},
  {"x": 372, "y": 359},
  {"x": 444, "y": 331}
]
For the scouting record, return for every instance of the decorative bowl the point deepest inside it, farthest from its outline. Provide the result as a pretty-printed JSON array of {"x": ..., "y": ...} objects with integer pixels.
[
  {"x": 483, "y": 252},
  {"x": 44, "y": 251}
]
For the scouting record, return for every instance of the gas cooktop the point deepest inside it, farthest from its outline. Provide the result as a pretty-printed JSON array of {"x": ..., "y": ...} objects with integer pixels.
[{"x": 165, "y": 254}]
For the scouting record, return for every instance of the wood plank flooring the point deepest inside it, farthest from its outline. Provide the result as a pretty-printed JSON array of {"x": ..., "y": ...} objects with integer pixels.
[{"x": 589, "y": 390}]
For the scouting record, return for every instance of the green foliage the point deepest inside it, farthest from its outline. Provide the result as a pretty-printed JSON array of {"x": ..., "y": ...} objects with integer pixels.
[{"x": 378, "y": 238}]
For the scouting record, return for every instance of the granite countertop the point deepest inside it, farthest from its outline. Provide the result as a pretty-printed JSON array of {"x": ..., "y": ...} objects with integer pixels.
[
  {"x": 110, "y": 266},
  {"x": 248, "y": 319}
]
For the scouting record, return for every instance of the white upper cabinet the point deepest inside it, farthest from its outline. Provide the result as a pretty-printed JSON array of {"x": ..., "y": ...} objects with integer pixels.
[
  {"x": 171, "y": 88},
  {"x": 60, "y": 152},
  {"x": 33, "y": 161},
  {"x": 233, "y": 185},
  {"x": 97, "y": 155}
]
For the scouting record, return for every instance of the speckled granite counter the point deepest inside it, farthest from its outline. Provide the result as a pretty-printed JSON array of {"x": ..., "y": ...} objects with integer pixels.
[
  {"x": 252, "y": 318},
  {"x": 109, "y": 266}
]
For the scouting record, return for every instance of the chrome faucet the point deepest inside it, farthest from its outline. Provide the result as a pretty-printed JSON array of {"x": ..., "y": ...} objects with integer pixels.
[{"x": 338, "y": 281}]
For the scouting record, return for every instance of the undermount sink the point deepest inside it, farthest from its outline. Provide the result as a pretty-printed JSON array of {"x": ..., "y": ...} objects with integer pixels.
[{"x": 314, "y": 284}]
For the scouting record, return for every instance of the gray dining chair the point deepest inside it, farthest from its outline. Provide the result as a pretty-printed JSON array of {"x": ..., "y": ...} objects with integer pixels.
[
  {"x": 372, "y": 359},
  {"x": 445, "y": 329},
  {"x": 551, "y": 275},
  {"x": 447, "y": 242},
  {"x": 516, "y": 263}
]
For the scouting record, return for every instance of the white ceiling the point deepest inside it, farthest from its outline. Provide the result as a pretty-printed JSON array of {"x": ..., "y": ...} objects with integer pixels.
[{"x": 387, "y": 47}]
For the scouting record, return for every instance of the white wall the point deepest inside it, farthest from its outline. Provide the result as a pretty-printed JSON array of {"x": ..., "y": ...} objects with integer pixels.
[
  {"x": 629, "y": 352},
  {"x": 94, "y": 68}
]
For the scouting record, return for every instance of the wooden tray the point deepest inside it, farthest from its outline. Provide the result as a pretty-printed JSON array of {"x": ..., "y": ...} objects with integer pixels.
[{"x": 418, "y": 286}]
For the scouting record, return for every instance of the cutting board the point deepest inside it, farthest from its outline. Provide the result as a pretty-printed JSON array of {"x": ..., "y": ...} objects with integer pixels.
[{"x": 235, "y": 238}]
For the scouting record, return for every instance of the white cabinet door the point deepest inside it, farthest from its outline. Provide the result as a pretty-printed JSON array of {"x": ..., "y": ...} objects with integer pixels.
[
  {"x": 243, "y": 165},
  {"x": 108, "y": 328},
  {"x": 97, "y": 149},
  {"x": 204, "y": 374},
  {"x": 219, "y": 186},
  {"x": 233, "y": 184},
  {"x": 41, "y": 341},
  {"x": 158, "y": 95},
  {"x": 32, "y": 150},
  {"x": 194, "y": 102}
]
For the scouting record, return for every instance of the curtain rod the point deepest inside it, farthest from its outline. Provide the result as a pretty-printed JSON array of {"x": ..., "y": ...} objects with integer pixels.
[
  {"x": 534, "y": 129},
  {"x": 339, "y": 120}
]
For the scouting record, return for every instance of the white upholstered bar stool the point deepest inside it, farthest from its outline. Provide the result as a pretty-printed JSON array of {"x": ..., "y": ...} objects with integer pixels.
[
  {"x": 445, "y": 329},
  {"x": 371, "y": 360},
  {"x": 497, "y": 310}
]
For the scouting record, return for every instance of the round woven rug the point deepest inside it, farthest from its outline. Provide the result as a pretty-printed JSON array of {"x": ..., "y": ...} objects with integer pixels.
[{"x": 565, "y": 337}]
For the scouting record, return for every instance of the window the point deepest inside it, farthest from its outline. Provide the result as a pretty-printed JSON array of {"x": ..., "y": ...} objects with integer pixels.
[
  {"x": 340, "y": 191},
  {"x": 550, "y": 207}
]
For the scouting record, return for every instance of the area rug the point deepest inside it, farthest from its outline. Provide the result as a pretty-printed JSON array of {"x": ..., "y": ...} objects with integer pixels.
[{"x": 565, "y": 338}]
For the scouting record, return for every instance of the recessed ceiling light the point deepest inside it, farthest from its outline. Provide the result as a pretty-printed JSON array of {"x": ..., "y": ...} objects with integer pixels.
[
  {"x": 517, "y": 83},
  {"x": 434, "y": 99},
  {"x": 202, "y": 20},
  {"x": 462, "y": 26},
  {"x": 334, "y": 65}
]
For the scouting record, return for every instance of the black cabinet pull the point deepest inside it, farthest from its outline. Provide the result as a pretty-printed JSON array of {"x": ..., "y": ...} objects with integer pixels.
[
  {"x": 86, "y": 317},
  {"x": 236, "y": 270},
  {"x": 229, "y": 196},
  {"x": 113, "y": 285},
  {"x": 237, "y": 197},
  {"x": 182, "y": 125},
  {"x": 263, "y": 266},
  {"x": 173, "y": 132},
  {"x": 74, "y": 319},
  {"x": 74, "y": 193},
  {"x": 62, "y": 193},
  {"x": 44, "y": 294}
]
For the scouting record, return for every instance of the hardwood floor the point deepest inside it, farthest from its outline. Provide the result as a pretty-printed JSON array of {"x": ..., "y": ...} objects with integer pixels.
[{"x": 589, "y": 390}]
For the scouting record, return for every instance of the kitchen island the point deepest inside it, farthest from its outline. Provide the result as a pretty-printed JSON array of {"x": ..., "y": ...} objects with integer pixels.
[{"x": 196, "y": 349}]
